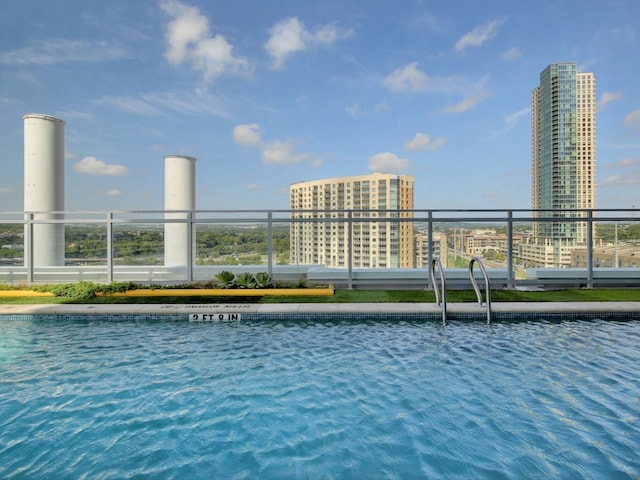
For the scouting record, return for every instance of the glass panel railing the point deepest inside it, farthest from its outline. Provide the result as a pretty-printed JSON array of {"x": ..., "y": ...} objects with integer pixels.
[{"x": 536, "y": 245}]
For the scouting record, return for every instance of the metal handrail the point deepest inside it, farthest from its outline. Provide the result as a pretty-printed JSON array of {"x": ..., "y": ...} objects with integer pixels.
[
  {"x": 440, "y": 299},
  {"x": 474, "y": 282}
]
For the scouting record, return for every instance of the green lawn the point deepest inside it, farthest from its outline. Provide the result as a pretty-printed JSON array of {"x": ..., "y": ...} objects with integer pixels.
[{"x": 360, "y": 296}]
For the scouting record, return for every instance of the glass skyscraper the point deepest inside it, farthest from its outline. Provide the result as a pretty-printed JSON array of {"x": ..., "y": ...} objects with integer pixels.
[{"x": 563, "y": 139}]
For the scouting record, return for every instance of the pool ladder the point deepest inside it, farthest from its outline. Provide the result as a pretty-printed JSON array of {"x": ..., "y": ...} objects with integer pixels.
[
  {"x": 441, "y": 293},
  {"x": 487, "y": 287},
  {"x": 441, "y": 298}
]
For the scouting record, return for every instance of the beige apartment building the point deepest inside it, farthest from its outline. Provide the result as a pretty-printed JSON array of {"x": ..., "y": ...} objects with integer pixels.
[
  {"x": 439, "y": 249},
  {"x": 375, "y": 204}
]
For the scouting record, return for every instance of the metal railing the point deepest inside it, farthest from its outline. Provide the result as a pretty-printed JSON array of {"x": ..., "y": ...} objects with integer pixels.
[
  {"x": 476, "y": 288},
  {"x": 513, "y": 268}
]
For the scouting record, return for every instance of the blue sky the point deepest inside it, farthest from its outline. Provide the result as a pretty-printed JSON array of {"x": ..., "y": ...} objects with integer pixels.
[{"x": 265, "y": 93}]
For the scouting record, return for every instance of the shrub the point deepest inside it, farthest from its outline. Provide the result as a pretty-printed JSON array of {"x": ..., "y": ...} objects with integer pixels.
[
  {"x": 263, "y": 280},
  {"x": 82, "y": 290},
  {"x": 226, "y": 279},
  {"x": 246, "y": 280}
]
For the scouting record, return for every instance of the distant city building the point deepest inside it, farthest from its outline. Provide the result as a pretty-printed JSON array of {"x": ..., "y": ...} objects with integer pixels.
[
  {"x": 438, "y": 246},
  {"x": 479, "y": 243},
  {"x": 563, "y": 160},
  {"x": 624, "y": 255},
  {"x": 374, "y": 244}
]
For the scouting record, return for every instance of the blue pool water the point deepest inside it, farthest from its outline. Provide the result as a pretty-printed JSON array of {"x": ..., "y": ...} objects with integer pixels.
[{"x": 161, "y": 399}]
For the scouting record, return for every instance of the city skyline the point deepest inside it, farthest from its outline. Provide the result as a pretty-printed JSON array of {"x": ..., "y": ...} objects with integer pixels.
[{"x": 266, "y": 96}]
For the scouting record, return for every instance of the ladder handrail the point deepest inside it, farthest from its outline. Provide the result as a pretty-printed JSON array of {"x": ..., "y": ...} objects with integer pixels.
[
  {"x": 440, "y": 299},
  {"x": 474, "y": 282}
]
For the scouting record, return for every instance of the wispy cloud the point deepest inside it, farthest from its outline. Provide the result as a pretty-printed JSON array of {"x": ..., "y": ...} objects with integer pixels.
[
  {"x": 423, "y": 142},
  {"x": 619, "y": 180},
  {"x": 136, "y": 106},
  {"x": 632, "y": 122},
  {"x": 254, "y": 186},
  {"x": 114, "y": 192},
  {"x": 387, "y": 162},
  {"x": 624, "y": 163},
  {"x": 606, "y": 98},
  {"x": 472, "y": 99},
  {"x": 479, "y": 35},
  {"x": 290, "y": 36},
  {"x": 199, "y": 103},
  {"x": 511, "y": 120},
  {"x": 93, "y": 166},
  {"x": 512, "y": 54},
  {"x": 189, "y": 40},
  {"x": 62, "y": 50}
]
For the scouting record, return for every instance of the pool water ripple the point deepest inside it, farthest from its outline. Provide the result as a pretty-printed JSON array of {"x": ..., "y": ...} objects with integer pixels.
[{"x": 341, "y": 399}]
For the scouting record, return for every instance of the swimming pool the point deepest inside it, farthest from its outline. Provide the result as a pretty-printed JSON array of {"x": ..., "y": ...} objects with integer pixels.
[{"x": 319, "y": 399}]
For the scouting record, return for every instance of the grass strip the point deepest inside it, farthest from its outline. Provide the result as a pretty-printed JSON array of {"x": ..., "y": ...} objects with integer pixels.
[{"x": 354, "y": 296}]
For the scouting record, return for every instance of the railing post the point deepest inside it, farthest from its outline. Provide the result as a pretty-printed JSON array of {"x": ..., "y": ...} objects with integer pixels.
[
  {"x": 430, "y": 246},
  {"x": 511, "y": 284},
  {"x": 349, "y": 250},
  {"x": 28, "y": 251},
  {"x": 190, "y": 246},
  {"x": 110, "y": 247},
  {"x": 590, "y": 249},
  {"x": 270, "y": 244}
]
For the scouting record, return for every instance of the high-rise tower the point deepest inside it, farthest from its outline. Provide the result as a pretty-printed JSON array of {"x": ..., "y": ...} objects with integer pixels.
[{"x": 563, "y": 155}]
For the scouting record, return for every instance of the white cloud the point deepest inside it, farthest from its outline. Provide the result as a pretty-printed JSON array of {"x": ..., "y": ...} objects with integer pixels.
[
  {"x": 470, "y": 101},
  {"x": 286, "y": 38},
  {"x": 254, "y": 186},
  {"x": 316, "y": 162},
  {"x": 410, "y": 78},
  {"x": 4, "y": 190},
  {"x": 62, "y": 50},
  {"x": 407, "y": 78},
  {"x": 422, "y": 141},
  {"x": 606, "y": 98},
  {"x": 186, "y": 29},
  {"x": 277, "y": 152},
  {"x": 189, "y": 40},
  {"x": 290, "y": 36},
  {"x": 69, "y": 155},
  {"x": 114, "y": 192},
  {"x": 387, "y": 162},
  {"x": 93, "y": 166},
  {"x": 478, "y": 35},
  {"x": 512, "y": 54},
  {"x": 619, "y": 180},
  {"x": 281, "y": 153},
  {"x": 247, "y": 134}
]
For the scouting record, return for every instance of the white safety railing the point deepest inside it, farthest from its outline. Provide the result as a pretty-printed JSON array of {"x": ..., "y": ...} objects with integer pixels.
[{"x": 511, "y": 270}]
